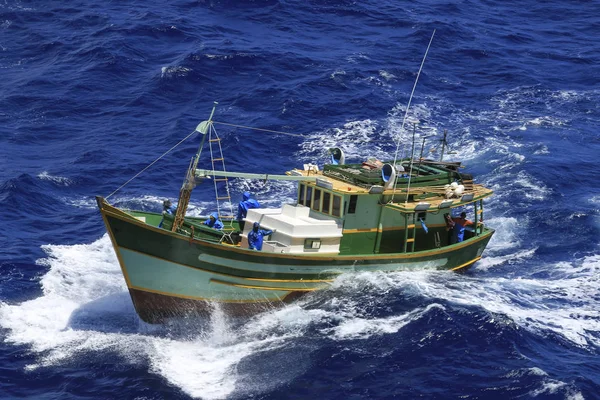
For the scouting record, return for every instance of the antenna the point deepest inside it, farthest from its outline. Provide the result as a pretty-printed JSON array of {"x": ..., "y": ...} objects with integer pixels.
[
  {"x": 408, "y": 107},
  {"x": 421, "y": 154}
]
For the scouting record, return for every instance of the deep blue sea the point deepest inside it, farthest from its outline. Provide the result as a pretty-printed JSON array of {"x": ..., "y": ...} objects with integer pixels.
[{"x": 94, "y": 91}]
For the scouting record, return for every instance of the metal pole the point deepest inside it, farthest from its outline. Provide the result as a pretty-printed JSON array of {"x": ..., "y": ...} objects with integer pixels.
[
  {"x": 189, "y": 182},
  {"x": 421, "y": 155},
  {"x": 412, "y": 157},
  {"x": 443, "y": 144}
]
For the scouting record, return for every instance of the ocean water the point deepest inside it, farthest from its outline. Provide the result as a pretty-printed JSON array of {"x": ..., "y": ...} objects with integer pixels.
[{"x": 94, "y": 91}]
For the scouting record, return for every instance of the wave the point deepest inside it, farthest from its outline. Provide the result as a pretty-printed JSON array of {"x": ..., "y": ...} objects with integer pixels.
[
  {"x": 564, "y": 305},
  {"x": 85, "y": 309}
]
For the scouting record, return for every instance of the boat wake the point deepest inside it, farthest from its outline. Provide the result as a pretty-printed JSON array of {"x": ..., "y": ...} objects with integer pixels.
[{"x": 85, "y": 311}]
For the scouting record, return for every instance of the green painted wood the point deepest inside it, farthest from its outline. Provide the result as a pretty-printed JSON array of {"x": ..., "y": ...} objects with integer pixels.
[
  {"x": 164, "y": 276},
  {"x": 159, "y": 261},
  {"x": 252, "y": 264}
]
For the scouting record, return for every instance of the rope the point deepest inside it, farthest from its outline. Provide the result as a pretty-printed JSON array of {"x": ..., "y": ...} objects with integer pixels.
[
  {"x": 258, "y": 129},
  {"x": 152, "y": 163}
]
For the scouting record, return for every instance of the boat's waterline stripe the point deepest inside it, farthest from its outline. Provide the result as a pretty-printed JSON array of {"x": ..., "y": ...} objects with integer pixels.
[
  {"x": 186, "y": 297},
  {"x": 239, "y": 285},
  {"x": 455, "y": 247},
  {"x": 466, "y": 264}
]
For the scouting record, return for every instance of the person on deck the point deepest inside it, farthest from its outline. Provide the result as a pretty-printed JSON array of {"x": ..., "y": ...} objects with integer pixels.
[
  {"x": 255, "y": 237},
  {"x": 243, "y": 207},
  {"x": 168, "y": 208},
  {"x": 458, "y": 226},
  {"x": 214, "y": 222}
]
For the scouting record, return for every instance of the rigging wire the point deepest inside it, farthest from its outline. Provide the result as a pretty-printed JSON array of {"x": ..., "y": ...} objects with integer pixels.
[
  {"x": 152, "y": 163},
  {"x": 187, "y": 137},
  {"x": 258, "y": 129}
]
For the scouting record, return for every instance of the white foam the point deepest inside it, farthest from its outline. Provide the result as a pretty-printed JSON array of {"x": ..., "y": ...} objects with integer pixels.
[
  {"x": 518, "y": 373},
  {"x": 488, "y": 262},
  {"x": 78, "y": 274},
  {"x": 174, "y": 71},
  {"x": 532, "y": 188},
  {"x": 552, "y": 387},
  {"x": 388, "y": 76},
  {"x": 565, "y": 304},
  {"x": 418, "y": 113},
  {"x": 364, "y": 328},
  {"x": 353, "y": 135},
  {"x": 357, "y": 57},
  {"x": 336, "y": 73},
  {"x": 59, "y": 180},
  {"x": 268, "y": 194},
  {"x": 202, "y": 369},
  {"x": 87, "y": 203},
  {"x": 545, "y": 120},
  {"x": 86, "y": 310},
  {"x": 375, "y": 80},
  {"x": 365, "y": 138},
  {"x": 219, "y": 56},
  {"x": 507, "y": 234},
  {"x": 542, "y": 150}
]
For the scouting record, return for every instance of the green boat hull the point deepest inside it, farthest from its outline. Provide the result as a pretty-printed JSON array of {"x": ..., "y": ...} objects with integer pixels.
[{"x": 169, "y": 274}]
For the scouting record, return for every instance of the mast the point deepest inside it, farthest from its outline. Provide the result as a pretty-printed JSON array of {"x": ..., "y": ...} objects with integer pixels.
[{"x": 190, "y": 181}]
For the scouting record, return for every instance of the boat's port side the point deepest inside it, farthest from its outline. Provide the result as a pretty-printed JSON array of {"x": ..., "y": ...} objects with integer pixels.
[{"x": 170, "y": 274}]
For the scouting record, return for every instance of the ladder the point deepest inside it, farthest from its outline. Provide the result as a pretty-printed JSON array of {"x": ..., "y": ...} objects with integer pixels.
[
  {"x": 410, "y": 232},
  {"x": 222, "y": 193}
]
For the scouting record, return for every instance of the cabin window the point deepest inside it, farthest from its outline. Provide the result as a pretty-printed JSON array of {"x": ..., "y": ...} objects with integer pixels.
[
  {"x": 312, "y": 244},
  {"x": 352, "y": 205},
  {"x": 317, "y": 200},
  {"x": 326, "y": 202},
  {"x": 308, "y": 196},
  {"x": 301, "y": 194},
  {"x": 337, "y": 206}
]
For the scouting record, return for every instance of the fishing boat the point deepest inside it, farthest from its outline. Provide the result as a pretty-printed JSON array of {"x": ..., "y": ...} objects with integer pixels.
[{"x": 370, "y": 215}]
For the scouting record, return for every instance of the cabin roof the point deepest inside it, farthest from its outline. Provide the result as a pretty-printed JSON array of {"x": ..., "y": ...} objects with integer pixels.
[{"x": 434, "y": 193}]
